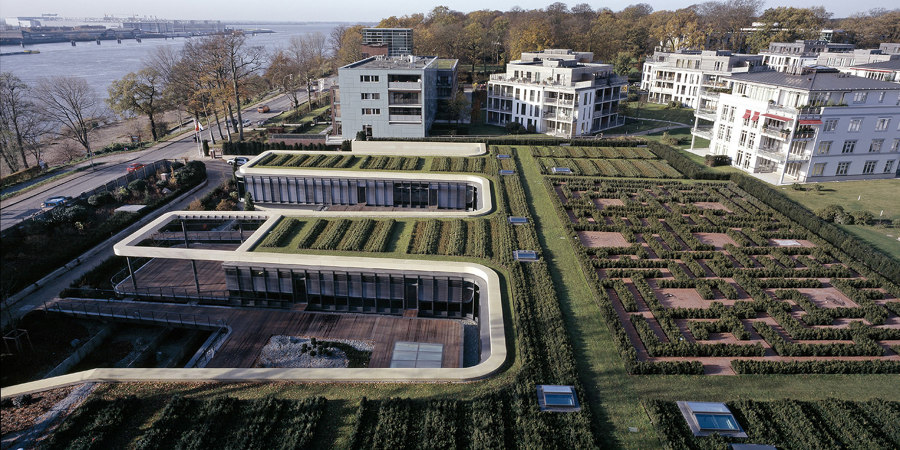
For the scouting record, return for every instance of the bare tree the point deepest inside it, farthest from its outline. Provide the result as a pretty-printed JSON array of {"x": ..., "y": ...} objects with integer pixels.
[
  {"x": 20, "y": 124},
  {"x": 72, "y": 104},
  {"x": 308, "y": 55},
  {"x": 241, "y": 60}
]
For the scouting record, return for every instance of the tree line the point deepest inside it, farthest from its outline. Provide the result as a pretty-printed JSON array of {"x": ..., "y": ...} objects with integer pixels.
[{"x": 622, "y": 38}]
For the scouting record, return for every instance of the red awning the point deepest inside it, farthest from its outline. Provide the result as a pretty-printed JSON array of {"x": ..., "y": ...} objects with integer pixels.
[
  {"x": 747, "y": 114},
  {"x": 810, "y": 122},
  {"x": 755, "y": 116},
  {"x": 773, "y": 116}
]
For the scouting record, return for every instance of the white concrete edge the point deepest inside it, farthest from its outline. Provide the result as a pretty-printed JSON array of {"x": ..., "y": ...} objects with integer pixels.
[
  {"x": 418, "y": 148},
  {"x": 377, "y": 375}
]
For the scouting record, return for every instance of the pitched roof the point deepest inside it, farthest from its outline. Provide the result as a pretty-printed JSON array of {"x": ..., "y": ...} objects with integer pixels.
[
  {"x": 893, "y": 65},
  {"x": 815, "y": 81}
]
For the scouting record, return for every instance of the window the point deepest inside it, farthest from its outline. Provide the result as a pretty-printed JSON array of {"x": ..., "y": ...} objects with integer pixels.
[
  {"x": 869, "y": 167},
  {"x": 875, "y": 147},
  {"x": 368, "y": 78},
  {"x": 752, "y": 141},
  {"x": 842, "y": 168},
  {"x": 896, "y": 145},
  {"x": 881, "y": 97},
  {"x": 743, "y": 140},
  {"x": 824, "y": 147},
  {"x": 818, "y": 169},
  {"x": 860, "y": 97},
  {"x": 855, "y": 125},
  {"x": 848, "y": 146},
  {"x": 889, "y": 166},
  {"x": 370, "y": 96},
  {"x": 882, "y": 124},
  {"x": 830, "y": 124},
  {"x": 371, "y": 111}
]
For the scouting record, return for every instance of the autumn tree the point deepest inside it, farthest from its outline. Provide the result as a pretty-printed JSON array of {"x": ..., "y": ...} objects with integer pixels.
[
  {"x": 867, "y": 30},
  {"x": 787, "y": 24},
  {"x": 139, "y": 93},
  {"x": 722, "y": 21}
]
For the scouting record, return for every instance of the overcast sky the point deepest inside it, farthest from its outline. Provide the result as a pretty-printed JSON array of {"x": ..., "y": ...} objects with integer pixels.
[{"x": 338, "y": 10}]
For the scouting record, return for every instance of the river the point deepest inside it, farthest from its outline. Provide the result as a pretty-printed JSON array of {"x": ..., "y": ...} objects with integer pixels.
[{"x": 102, "y": 64}]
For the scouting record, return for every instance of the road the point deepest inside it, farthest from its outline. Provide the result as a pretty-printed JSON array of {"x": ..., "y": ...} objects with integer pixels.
[{"x": 15, "y": 209}]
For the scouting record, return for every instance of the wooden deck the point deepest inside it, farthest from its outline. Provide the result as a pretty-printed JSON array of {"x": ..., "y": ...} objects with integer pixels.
[
  {"x": 252, "y": 328},
  {"x": 177, "y": 274}
]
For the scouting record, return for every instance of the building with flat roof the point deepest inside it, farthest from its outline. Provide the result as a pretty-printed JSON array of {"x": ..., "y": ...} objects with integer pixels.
[
  {"x": 791, "y": 56},
  {"x": 684, "y": 75},
  {"x": 854, "y": 58},
  {"x": 399, "y": 41},
  {"x": 819, "y": 125},
  {"x": 385, "y": 96},
  {"x": 558, "y": 92},
  {"x": 885, "y": 70}
]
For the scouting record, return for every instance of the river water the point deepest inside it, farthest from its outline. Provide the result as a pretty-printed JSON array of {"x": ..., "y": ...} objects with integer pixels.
[{"x": 102, "y": 64}]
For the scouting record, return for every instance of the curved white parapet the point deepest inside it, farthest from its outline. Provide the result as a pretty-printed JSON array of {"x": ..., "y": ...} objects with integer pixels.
[
  {"x": 492, "y": 326},
  {"x": 398, "y": 148},
  {"x": 481, "y": 183}
]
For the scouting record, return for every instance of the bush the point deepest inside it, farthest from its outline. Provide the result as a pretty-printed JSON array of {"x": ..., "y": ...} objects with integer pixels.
[
  {"x": 717, "y": 160},
  {"x": 830, "y": 212},
  {"x": 346, "y": 146},
  {"x": 100, "y": 199},
  {"x": 138, "y": 185},
  {"x": 863, "y": 217},
  {"x": 360, "y": 135}
]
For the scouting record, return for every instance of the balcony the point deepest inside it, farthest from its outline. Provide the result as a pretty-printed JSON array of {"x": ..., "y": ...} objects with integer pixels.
[
  {"x": 776, "y": 132},
  {"x": 507, "y": 108},
  {"x": 706, "y": 114},
  {"x": 413, "y": 102},
  {"x": 798, "y": 157},
  {"x": 773, "y": 152},
  {"x": 500, "y": 95},
  {"x": 402, "y": 118},
  {"x": 704, "y": 132},
  {"x": 405, "y": 85}
]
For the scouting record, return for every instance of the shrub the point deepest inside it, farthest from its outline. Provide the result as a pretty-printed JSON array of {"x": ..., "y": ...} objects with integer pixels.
[
  {"x": 100, "y": 199},
  {"x": 829, "y": 212},
  {"x": 139, "y": 185}
]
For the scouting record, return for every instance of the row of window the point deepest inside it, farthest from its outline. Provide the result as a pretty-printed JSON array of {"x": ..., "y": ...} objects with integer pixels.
[
  {"x": 371, "y": 111},
  {"x": 368, "y": 78},
  {"x": 850, "y": 145},
  {"x": 843, "y": 168},
  {"x": 370, "y": 96},
  {"x": 881, "y": 124}
]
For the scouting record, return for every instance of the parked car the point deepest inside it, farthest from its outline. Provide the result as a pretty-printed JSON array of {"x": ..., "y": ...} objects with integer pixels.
[
  {"x": 262, "y": 108},
  {"x": 134, "y": 167},
  {"x": 53, "y": 202},
  {"x": 247, "y": 123},
  {"x": 238, "y": 160}
]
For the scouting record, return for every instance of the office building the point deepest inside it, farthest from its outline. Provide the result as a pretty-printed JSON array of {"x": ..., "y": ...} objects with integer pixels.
[{"x": 396, "y": 41}]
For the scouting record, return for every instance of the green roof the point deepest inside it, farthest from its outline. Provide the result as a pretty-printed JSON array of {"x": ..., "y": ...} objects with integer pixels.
[{"x": 446, "y": 63}]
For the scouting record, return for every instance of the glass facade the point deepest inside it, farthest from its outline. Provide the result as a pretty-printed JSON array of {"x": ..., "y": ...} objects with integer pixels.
[
  {"x": 437, "y": 295},
  {"x": 348, "y": 191}
]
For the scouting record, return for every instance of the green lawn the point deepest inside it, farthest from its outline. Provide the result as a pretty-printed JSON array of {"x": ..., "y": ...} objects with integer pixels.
[
  {"x": 661, "y": 112},
  {"x": 874, "y": 196},
  {"x": 684, "y": 138}
]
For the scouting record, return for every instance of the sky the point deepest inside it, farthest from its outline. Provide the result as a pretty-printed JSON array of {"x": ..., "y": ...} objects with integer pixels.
[{"x": 340, "y": 10}]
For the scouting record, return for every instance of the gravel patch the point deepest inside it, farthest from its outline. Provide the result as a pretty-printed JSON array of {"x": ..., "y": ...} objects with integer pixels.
[{"x": 287, "y": 352}]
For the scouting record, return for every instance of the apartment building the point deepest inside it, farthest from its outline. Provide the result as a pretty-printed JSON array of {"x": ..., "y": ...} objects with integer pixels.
[
  {"x": 884, "y": 70},
  {"x": 791, "y": 56},
  {"x": 387, "y": 41},
  {"x": 819, "y": 125},
  {"x": 856, "y": 57},
  {"x": 557, "y": 92},
  {"x": 391, "y": 96},
  {"x": 681, "y": 76}
]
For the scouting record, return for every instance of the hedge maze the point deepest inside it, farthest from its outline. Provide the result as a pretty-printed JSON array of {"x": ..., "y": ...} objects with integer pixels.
[
  {"x": 627, "y": 162},
  {"x": 691, "y": 274}
]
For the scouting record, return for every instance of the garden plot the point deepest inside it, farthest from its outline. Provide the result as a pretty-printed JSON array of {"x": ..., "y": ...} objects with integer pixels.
[
  {"x": 596, "y": 239},
  {"x": 719, "y": 276}
]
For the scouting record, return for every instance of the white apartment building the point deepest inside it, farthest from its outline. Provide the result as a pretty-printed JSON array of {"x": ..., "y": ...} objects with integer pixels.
[
  {"x": 681, "y": 76},
  {"x": 558, "y": 92},
  {"x": 791, "y": 56},
  {"x": 819, "y": 125},
  {"x": 856, "y": 57},
  {"x": 884, "y": 70}
]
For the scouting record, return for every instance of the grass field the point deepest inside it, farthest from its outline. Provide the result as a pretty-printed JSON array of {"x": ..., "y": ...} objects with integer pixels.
[
  {"x": 661, "y": 112},
  {"x": 874, "y": 196}
]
